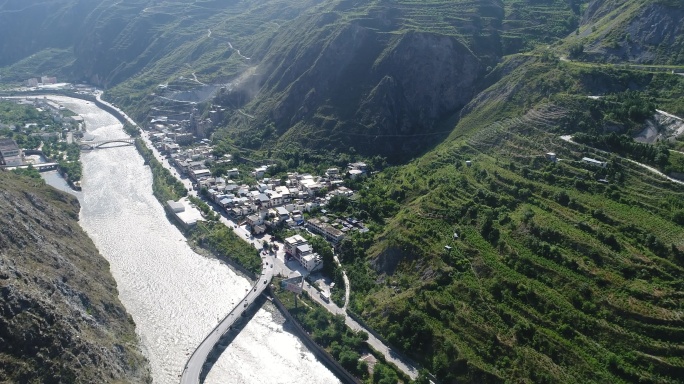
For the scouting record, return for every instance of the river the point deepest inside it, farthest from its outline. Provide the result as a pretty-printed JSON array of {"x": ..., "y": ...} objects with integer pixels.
[{"x": 174, "y": 295}]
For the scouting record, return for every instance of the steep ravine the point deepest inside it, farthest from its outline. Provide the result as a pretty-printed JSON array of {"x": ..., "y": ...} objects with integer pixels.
[{"x": 60, "y": 317}]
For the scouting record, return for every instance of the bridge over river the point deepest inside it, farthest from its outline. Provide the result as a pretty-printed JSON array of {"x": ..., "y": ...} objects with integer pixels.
[
  {"x": 91, "y": 145},
  {"x": 193, "y": 369}
]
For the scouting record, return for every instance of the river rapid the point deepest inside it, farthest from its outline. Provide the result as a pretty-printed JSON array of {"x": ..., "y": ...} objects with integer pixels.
[{"x": 174, "y": 295}]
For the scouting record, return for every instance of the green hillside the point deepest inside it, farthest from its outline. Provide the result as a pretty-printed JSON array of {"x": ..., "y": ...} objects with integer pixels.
[
  {"x": 561, "y": 272},
  {"x": 486, "y": 261}
]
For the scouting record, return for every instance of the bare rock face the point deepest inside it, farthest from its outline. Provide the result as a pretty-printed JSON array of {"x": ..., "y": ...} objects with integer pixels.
[{"x": 60, "y": 317}]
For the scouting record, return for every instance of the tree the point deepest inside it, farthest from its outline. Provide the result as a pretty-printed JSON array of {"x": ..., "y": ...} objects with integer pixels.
[
  {"x": 562, "y": 198},
  {"x": 382, "y": 374},
  {"x": 576, "y": 50},
  {"x": 324, "y": 250},
  {"x": 338, "y": 203},
  {"x": 678, "y": 217}
]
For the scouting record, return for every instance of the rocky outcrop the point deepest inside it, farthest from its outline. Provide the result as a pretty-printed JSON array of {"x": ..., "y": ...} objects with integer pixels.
[
  {"x": 652, "y": 34},
  {"x": 60, "y": 317}
]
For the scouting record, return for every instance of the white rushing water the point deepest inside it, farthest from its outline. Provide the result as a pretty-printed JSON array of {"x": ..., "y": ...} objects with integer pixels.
[{"x": 174, "y": 295}]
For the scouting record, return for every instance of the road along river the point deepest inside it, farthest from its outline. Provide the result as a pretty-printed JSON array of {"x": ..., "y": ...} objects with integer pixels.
[{"x": 174, "y": 295}]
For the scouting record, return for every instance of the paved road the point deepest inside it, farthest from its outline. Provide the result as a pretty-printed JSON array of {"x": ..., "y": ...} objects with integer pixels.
[
  {"x": 669, "y": 114},
  {"x": 276, "y": 265},
  {"x": 193, "y": 369},
  {"x": 568, "y": 138}
]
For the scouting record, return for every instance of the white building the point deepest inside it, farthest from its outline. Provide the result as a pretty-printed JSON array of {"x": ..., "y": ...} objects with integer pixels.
[
  {"x": 298, "y": 248},
  {"x": 594, "y": 162}
]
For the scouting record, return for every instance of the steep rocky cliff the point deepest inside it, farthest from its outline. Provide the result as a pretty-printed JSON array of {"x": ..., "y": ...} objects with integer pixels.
[{"x": 60, "y": 317}]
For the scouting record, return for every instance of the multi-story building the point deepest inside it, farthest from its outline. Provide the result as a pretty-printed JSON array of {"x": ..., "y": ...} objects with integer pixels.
[
  {"x": 326, "y": 230},
  {"x": 10, "y": 154}
]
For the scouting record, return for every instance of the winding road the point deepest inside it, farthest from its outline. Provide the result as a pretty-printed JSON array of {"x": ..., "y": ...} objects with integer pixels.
[{"x": 568, "y": 138}]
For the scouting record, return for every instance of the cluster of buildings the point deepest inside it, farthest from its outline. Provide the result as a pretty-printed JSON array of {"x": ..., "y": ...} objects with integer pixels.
[
  {"x": 10, "y": 153},
  {"x": 182, "y": 127},
  {"x": 43, "y": 80},
  {"x": 299, "y": 249},
  {"x": 269, "y": 202},
  {"x": 56, "y": 111}
]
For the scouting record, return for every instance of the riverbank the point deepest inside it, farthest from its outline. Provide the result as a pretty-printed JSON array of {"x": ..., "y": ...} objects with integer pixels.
[
  {"x": 175, "y": 295},
  {"x": 219, "y": 239}
]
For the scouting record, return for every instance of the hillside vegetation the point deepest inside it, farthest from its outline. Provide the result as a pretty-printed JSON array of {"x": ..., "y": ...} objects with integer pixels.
[
  {"x": 355, "y": 76},
  {"x": 488, "y": 258},
  {"x": 561, "y": 271}
]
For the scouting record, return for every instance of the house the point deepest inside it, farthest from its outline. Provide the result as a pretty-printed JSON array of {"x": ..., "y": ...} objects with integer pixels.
[
  {"x": 291, "y": 244},
  {"x": 332, "y": 173},
  {"x": 284, "y": 193},
  {"x": 363, "y": 167},
  {"x": 275, "y": 197},
  {"x": 259, "y": 172},
  {"x": 254, "y": 220},
  {"x": 298, "y": 248},
  {"x": 551, "y": 156},
  {"x": 282, "y": 214},
  {"x": 199, "y": 174},
  {"x": 310, "y": 207},
  {"x": 263, "y": 200},
  {"x": 594, "y": 162},
  {"x": 226, "y": 202},
  {"x": 311, "y": 261},
  {"x": 354, "y": 173},
  {"x": 10, "y": 154},
  {"x": 297, "y": 218},
  {"x": 326, "y": 230},
  {"x": 309, "y": 185},
  {"x": 171, "y": 147}
]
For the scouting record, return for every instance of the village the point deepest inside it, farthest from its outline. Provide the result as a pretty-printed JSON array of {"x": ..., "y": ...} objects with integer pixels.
[{"x": 249, "y": 196}]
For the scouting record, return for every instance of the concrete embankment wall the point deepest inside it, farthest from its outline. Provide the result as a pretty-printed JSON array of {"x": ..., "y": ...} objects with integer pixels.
[
  {"x": 316, "y": 349},
  {"x": 111, "y": 110}
]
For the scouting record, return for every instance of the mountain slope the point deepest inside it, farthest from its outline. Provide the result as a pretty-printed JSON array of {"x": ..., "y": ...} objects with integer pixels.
[
  {"x": 561, "y": 271},
  {"x": 636, "y": 31},
  {"x": 60, "y": 317},
  {"x": 373, "y": 77}
]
